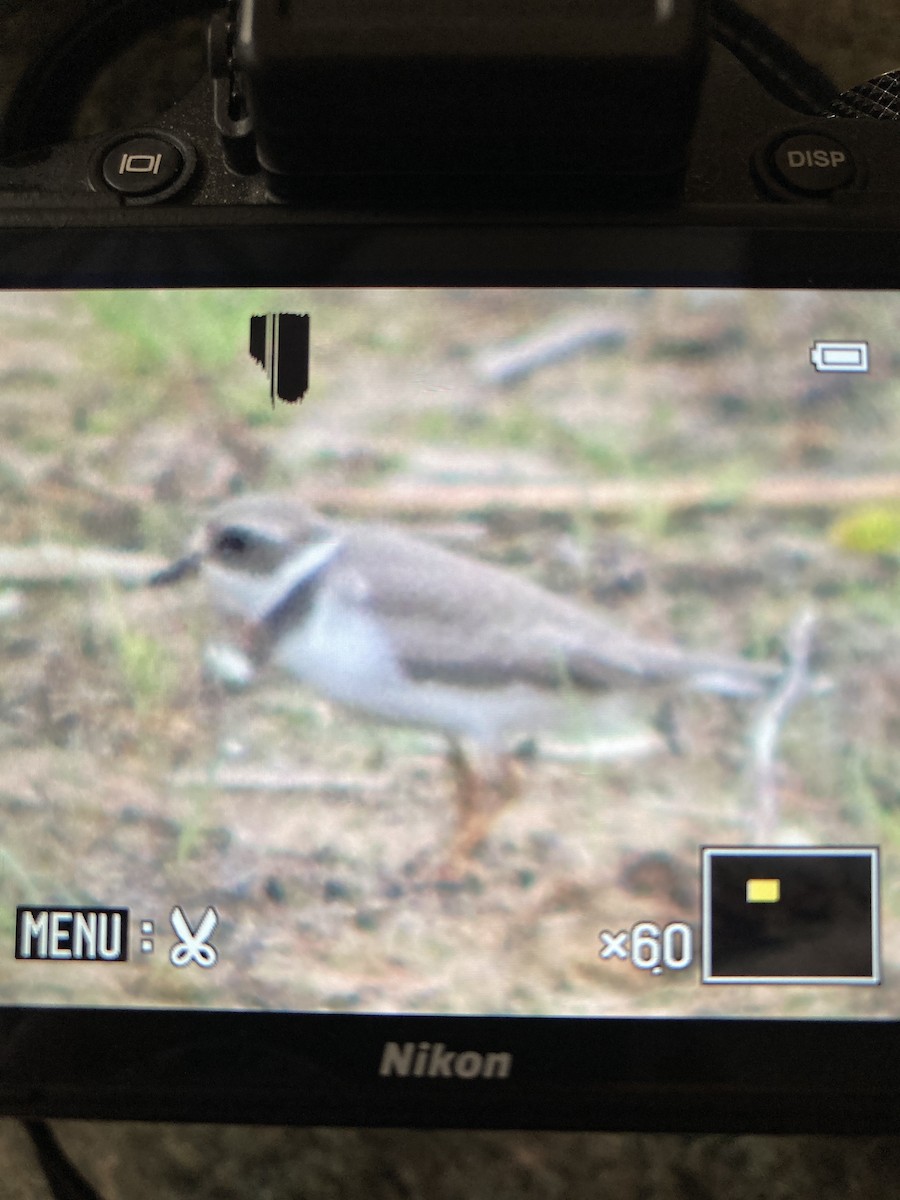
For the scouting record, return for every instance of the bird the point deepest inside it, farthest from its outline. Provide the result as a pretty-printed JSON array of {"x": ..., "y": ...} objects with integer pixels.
[{"x": 392, "y": 625}]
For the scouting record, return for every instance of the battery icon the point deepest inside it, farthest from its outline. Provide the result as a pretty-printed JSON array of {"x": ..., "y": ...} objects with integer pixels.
[{"x": 840, "y": 356}]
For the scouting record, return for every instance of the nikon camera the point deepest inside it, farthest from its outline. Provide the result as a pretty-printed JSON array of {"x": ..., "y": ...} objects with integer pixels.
[{"x": 448, "y": 576}]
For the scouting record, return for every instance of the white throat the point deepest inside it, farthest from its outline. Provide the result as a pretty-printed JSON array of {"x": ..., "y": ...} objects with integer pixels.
[{"x": 255, "y": 597}]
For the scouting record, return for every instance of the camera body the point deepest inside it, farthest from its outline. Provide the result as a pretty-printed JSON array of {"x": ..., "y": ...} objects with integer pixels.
[
  {"x": 374, "y": 113},
  {"x": 532, "y": 149}
]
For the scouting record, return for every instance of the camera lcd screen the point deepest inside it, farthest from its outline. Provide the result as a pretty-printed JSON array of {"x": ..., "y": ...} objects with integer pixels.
[{"x": 541, "y": 659}]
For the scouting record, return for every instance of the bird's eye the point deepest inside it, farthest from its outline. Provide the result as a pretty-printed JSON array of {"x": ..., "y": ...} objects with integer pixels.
[{"x": 231, "y": 543}]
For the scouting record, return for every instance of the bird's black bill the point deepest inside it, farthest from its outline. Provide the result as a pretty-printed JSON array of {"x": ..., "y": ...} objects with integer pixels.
[{"x": 189, "y": 565}]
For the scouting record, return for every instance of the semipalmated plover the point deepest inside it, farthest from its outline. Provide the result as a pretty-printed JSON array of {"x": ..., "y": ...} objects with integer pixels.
[{"x": 389, "y": 624}]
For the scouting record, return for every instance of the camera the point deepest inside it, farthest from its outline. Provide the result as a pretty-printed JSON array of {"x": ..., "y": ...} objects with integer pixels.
[{"x": 448, "y": 597}]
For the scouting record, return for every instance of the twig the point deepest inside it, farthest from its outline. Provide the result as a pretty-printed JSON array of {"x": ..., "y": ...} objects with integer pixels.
[
  {"x": 621, "y": 748},
  {"x": 518, "y": 359},
  {"x": 619, "y": 496},
  {"x": 794, "y": 686},
  {"x": 252, "y": 779},
  {"x": 50, "y": 563}
]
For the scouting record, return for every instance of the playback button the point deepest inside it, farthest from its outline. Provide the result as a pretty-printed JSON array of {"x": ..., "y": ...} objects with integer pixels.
[
  {"x": 141, "y": 165},
  {"x": 144, "y": 166},
  {"x": 807, "y": 165}
]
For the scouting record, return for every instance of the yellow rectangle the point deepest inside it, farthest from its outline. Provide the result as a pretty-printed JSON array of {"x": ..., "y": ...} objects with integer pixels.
[{"x": 763, "y": 891}]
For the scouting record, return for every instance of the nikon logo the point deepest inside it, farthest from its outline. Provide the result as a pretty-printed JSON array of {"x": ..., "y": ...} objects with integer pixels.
[{"x": 432, "y": 1060}]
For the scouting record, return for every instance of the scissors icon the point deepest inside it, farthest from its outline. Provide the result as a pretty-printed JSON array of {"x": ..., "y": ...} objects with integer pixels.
[{"x": 193, "y": 944}]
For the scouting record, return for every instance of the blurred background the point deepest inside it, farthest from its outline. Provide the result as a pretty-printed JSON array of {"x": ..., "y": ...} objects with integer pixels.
[{"x": 136, "y": 773}]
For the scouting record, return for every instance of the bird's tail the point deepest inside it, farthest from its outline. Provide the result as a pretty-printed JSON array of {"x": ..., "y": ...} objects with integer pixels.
[
  {"x": 738, "y": 682},
  {"x": 737, "y": 678},
  {"x": 743, "y": 678}
]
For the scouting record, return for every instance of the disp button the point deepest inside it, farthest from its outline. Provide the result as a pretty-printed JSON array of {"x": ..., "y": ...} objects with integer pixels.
[{"x": 812, "y": 164}]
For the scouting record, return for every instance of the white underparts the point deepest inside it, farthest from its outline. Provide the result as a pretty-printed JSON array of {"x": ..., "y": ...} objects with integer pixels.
[{"x": 343, "y": 652}]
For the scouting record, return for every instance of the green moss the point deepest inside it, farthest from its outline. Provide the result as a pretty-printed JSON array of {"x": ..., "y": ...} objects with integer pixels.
[
  {"x": 873, "y": 530},
  {"x": 148, "y": 667}
]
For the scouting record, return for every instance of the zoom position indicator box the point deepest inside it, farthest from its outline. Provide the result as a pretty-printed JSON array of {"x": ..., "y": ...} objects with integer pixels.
[{"x": 790, "y": 915}]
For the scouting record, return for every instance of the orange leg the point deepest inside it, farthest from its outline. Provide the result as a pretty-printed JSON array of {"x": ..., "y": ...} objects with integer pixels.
[{"x": 481, "y": 795}]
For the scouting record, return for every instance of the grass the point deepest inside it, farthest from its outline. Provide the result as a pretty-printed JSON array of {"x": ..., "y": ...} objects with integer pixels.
[
  {"x": 149, "y": 332},
  {"x": 177, "y": 351},
  {"x": 193, "y": 829},
  {"x": 875, "y": 600},
  {"x": 517, "y": 426},
  {"x": 11, "y": 868},
  {"x": 181, "y": 350},
  {"x": 28, "y": 379},
  {"x": 148, "y": 667}
]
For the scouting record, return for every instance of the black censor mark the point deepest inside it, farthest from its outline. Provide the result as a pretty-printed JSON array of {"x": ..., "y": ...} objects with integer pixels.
[{"x": 279, "y": 342}]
